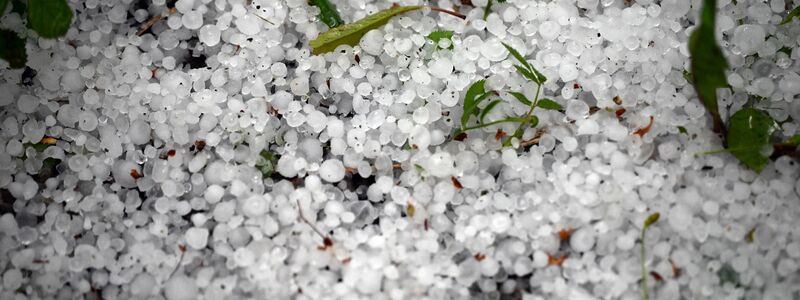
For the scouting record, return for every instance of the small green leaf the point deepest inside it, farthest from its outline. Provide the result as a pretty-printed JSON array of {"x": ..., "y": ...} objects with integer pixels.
[
  {"x": 49, "y": 18},
  {"x": 749, "y": 133},
  {"x": 533, "y": 121},
  {"x": 3, "y": 4},
  {"x": 12, "y": 49},
  {"x": 682, "y": 129},
  {"x": 351, "y": 34},
  {"x": 549, "y": 104},
  {"x": 727, "y": 274},
  {"x": 438, "y": 35},
  {"x": 266, "y": 163},
  {"x": 488, "y": 109},
  {"x": 521, "y": 98},
  {"x": 651, "y": 220},
  {"x": 793, "y": 141},
  {"x": 470, "y": 100},
  {"x": 708, "y": 62},
  {"x": 792, "y": 14},
  {"x": 419, "y": 168},
  {"x": 539, "y": 75},
  {"x": 328, "y": 13},
  {"x": 750, "y": 236}
]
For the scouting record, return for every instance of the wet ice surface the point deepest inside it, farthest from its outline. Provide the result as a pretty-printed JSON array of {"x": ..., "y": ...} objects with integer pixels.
[{"x": 158, "y": 189}]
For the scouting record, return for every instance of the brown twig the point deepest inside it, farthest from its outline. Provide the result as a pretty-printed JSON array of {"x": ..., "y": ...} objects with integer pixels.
[
  {"x": 152, "y": 21},
  {"x": 449, "y": 12},
  {"x": 303, "y": 218},
  {"x": 535, "y": 140}
]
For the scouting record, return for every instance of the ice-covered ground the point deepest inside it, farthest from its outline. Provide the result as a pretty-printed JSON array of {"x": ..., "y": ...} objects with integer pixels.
[{"x": 156, "y": 194}]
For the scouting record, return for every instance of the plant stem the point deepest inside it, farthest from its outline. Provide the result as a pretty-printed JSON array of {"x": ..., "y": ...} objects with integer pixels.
[
  {"x": 449, "y": 12},
  {"x": 645, "y": 295},
  {"x": 518, "y": 132},
  {"x": 506, "y": 120}
]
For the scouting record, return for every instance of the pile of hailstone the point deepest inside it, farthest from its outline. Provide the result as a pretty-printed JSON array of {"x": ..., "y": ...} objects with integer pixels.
[{"x": 152, "y": 184}]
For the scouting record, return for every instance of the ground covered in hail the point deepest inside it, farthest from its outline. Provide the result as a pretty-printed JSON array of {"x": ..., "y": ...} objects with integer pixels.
[{"x": 212, "y": 156}]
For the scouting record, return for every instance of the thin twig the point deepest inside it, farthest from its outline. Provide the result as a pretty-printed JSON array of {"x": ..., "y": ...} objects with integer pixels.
[
  {"x": 535, "y": 140},
  {"x": 449, "y": 12},
  {"x": 303, "y": 217},
  {"x": 152, "y": 21}
]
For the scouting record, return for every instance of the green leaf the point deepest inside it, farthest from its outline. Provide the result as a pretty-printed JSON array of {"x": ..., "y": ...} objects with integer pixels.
[
  {"x": 539, "y": 75},
  {"x": 682, "y": 129},
  {"x": 266, "y": 163},
  {"x": 438, "y": 35},
  {"x": 517, "y": 56},
  {"x": 351, "y": 34},
  {"x": 728, "y": 275},
  {"x": 750, "y": 236},
  {"x": 49, "y": 18},
  {"x": 328, "y": 13},
  {"x": 749, "y": 133},
  {"x": 792, "y": 14},
  {"x": 793, "y": 141},
  {"x": 12, "y": 49},
  {"x": 708, "y": 62},
  {"x": 3, "y": 4},
  {"x": 470, "y": 99},
  {"x": 521, "y": 98},
  {"x": 419, "y": 168},
  {"x": 549, "y": 104},
  {"x": 651, "y": 219},
  {"x": 488, "y": 108},
  {"x": 526, "y": 73}
]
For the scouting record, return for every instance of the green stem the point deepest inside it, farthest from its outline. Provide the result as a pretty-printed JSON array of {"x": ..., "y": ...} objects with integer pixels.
[
  {"x": 518, "y": 132},
  {"x": 505, "y": 120},
  {"x": 645, "y": 295}
]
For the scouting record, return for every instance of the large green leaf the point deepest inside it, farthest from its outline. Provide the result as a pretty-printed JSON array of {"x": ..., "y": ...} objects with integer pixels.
[
  {"x": 12, "y": 49},
  {"x": 49, "y": 18},
  {"x": 792, "y": 14},
  {"x": 328, "y": 13},
  {"x": 708, "y": 62},
  {"x": 475, "y": 91},
  {"x": 351, "y": 34},
  {"x": 749, "y": 133}
]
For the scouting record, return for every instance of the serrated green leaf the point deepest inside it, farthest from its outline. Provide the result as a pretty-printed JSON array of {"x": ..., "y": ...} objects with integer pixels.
[
  {"x": 521, "y": 98},
  {"x": 792, "y": 14},
  {"x": 749, "y": 133},
  {"x": 351, "y": 34},
  {"x": 488, "y": 109},
  {"x": 470, "y": 100},
  {"x": 438, "y": 35},
  {"x": 3, "y": 4},
  {"x": 514, "y": 53},
  {"x": 651, "y": 219},
  {"x": 49, "y": 18},
  {"x": 708, "y": 62},
  {"x": 526, "y": 73},
  {"x": 541, "y": 78},
  {"x": 12, "y": 49},
  {"x": 328, "y": 13},
  {"x": 549, "y": 104}
]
